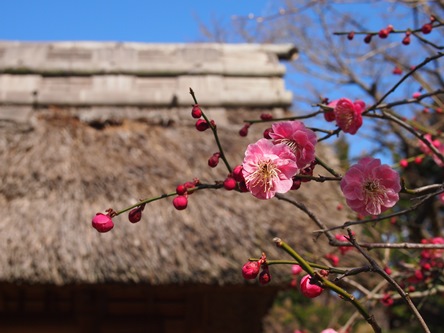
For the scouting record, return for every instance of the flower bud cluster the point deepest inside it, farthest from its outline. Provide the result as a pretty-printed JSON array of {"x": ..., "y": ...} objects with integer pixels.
[
  {"x": 180, "y": 202},
  {"x": 251, "y": 269}
]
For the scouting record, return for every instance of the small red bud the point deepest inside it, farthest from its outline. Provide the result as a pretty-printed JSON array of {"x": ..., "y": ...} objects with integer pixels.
[
  {"x": 237, "y": 173},
  {"x": 213, "y": 161},
  {"x": 351, "y": 35},
  {"x": 244, "y": 130},
  {"x": 135, "y": 215},
  {"x": 265, "y": 276},
  {"x": 180, "y": 202},
  {"x": 397, "y": 71},
  {"x": 266, "y": 116},
  {"x": 296, "y": 184},
  {"x": 426, "y": 28},
  {"x": 201, "y": 125},
  {"x": 102, "y": 222},
  {"x": 229, "y": 184},
  {"x": 388, "y": 270},
  {"x": 387, "y": 300},
  {"x": 403, "y": 163},
  {"x": 196, "y": 112},
  {"x": 250, "y": 270},
  {"x": 334, "y": 259},
  {"x": 406, "y": 39},
  {"x": 267, "y": 133},
  {"x": 416, "y": 94},
  {"x": 368, "y": 38},
  {"x": 432, "y": 18},
  {"x": 390, "y": 28},
  {"x": 383, "y": 33},
  {"x": 329, "y": 115},
  {"x": 213, "y": 123},
  {"x": 296, "y": 269},
  {"x": 181, "y": 189}
]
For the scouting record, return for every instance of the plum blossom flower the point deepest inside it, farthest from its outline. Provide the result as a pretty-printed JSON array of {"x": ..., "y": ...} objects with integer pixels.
[
  {"x": 299, "y": 138},
  {"x": 329, "y": 330},
  {"x": 348, "y": 114},
  {"x": 371, "y": 188},
  {"x": 268, "y": 168}
]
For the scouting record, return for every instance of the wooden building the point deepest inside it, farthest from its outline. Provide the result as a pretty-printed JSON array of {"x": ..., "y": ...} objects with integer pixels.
[{"x": 88, "y": 126}]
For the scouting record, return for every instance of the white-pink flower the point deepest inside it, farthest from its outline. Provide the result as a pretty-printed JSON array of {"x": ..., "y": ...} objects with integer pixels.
[
  {"x": 299, "y": 138},
  {"x": 268, "y": 168},
  {"x": 348, "y": 114},
  {"x": 371, "y": 188}
]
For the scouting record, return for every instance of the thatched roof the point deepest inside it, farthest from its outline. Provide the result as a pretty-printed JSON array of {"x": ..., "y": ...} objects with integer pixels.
[{"x": 63, "y": 163}]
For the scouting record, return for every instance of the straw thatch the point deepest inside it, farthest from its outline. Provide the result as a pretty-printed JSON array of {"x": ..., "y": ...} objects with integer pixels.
[{"x": 62, "y": 164}]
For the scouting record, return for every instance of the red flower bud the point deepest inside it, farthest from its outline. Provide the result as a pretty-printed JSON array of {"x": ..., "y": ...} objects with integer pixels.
[
  {"x": 266, "y": 116},
  {"x": 180, "y": 202},
  {"x": 310, "y": 290},
  {"x": 135, "y": 215},
  {"x": 202, "y": 125},
  {"x": 213, "y": 161},
  {"x": 397, "y": 71},
  {"x": 368, "y": 38},
  {"x": 351, "y": 35},
  {"x": 406, "y": 40},
  {"x": 387, "y": 300},
  {"x": 244, "y": 130},
  {"x": 181, "y": 189},
  {"x": 383, "y": 33},
  {"x": 196, "y": 112},
  {"x": 403, "y": 163},
  {"x": 329, "y": 116},
  {"x": 229, "y": 184},
  {"x": 265, "y": 276},
  {"x": 250, "y": 270},
  {"x": 237, "y": 173},
  {"x": 426, "y": 28},
  {"x": 102, "y": 222},
  {"x": 267, "y": 133}
]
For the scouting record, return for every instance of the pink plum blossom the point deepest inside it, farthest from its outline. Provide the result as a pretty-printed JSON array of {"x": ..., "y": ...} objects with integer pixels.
[
  {"x": 329, "y": 330},
  {"x": 369, "y": 187},
  {"x": 348, "y": 114},
  {"x": 268, "y": 168},
  {"x": 299, "y": 138}
]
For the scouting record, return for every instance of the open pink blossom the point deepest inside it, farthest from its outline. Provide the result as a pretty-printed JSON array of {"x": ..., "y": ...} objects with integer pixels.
[
  {"x": 348, "y": 115},
  {"x": 371, "y": 188},
  {"x": 299, "y": 138},
  {"x": 268, "y": 169},
  {"x": 329, "y": 330}
]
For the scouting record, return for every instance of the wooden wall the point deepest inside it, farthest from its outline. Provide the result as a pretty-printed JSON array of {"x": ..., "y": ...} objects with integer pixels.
[{"x": 125, "y": 308}]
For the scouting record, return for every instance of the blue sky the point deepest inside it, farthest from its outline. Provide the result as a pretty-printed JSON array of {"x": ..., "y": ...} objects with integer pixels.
[{"x": 108, "y": 20}]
